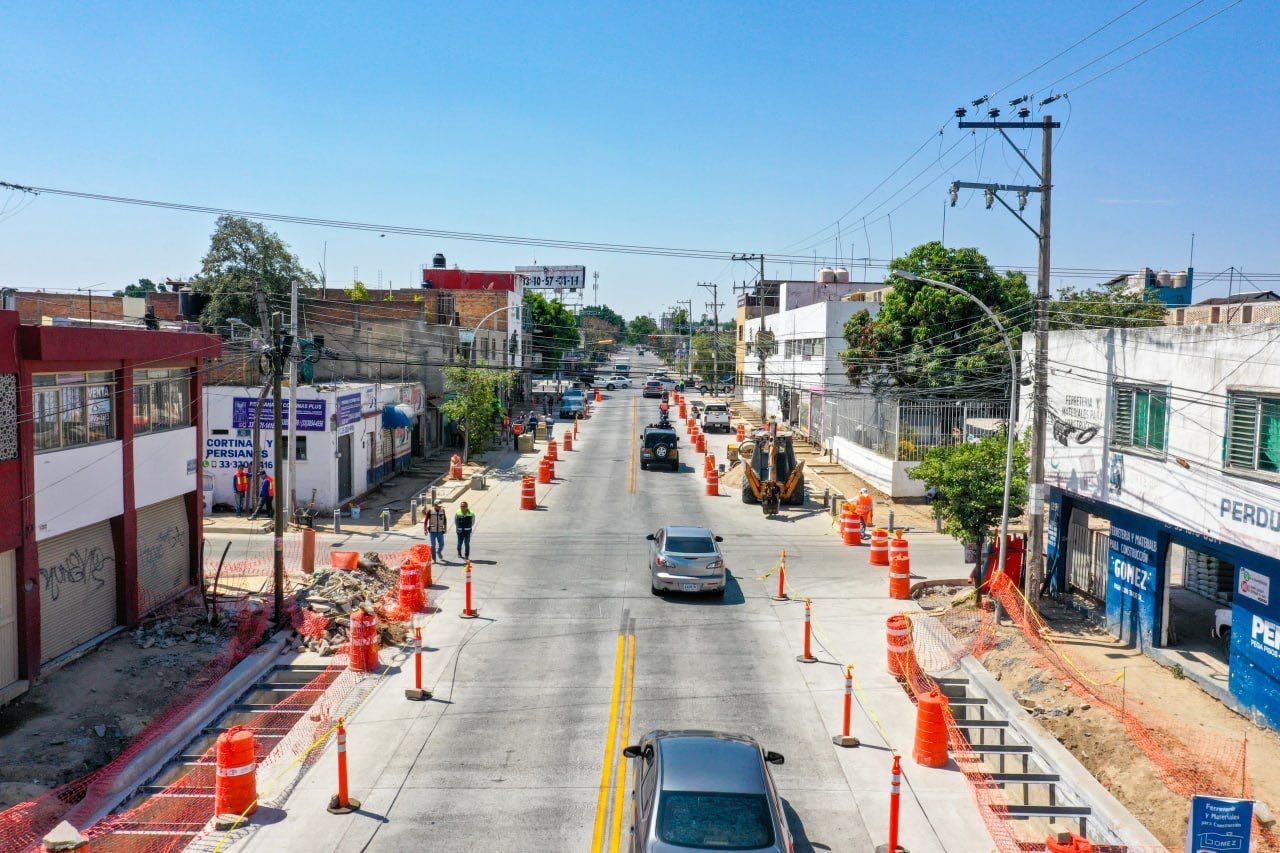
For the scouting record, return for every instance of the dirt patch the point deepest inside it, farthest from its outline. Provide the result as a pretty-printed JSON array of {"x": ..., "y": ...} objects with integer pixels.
[
  {"x": 80, "y": 717},
  {"x": 1096, "y": 735}
]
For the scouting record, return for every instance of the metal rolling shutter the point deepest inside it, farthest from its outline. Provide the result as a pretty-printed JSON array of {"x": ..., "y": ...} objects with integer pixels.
[
  {"x": 164, "y": 558},
  {"x": 8, "y": 620},
  {"x": 77, "y": 588}
]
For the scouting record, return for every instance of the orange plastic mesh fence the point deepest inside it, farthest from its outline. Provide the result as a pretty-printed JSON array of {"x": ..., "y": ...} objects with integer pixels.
[
  {"x": 1188, "y": 758},
  {"x": 287, "y": 733}
]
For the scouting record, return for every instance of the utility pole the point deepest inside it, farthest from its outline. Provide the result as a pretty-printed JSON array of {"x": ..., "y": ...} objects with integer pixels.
[
  {"x": 714, "y": 305},
  {"x": 688, "y": 324},
  {"x": 1035, "y": 574},
  {"x": 763, "y": 337},
  {"x": 277, "y": 349},
  {"x": 292, "y": 490}
]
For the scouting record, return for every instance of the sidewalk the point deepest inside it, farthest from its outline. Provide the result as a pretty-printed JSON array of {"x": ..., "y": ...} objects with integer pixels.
[{"x": 393, "y": 495}]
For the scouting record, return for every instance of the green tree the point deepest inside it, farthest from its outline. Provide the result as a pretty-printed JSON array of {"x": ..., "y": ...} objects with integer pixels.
[
  {"x": 930, "y": 338},
  {"x": 1111, "y": 305},
  {"x": 357, "y": 292},
  {"x": 640, "y": 328},
  {"x": 142, "y": 288},
  {"x": 243, "y": 255},
  {"x": 555, "y": 329},
  {"x": 970, "y": 482},
  {"x": 474, "y": 403},
  {"x": 608, "y": 315}
]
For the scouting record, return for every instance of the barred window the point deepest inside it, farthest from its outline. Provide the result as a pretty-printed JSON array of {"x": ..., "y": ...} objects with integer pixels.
[
  {"x": 1141, "y": 418},
  {"x": 1253, "y": 433}
]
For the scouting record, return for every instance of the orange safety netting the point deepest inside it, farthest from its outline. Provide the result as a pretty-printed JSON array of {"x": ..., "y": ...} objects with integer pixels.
[
  {"x": 287, "y": 733},
  {"x": 1188, "y": 759}
]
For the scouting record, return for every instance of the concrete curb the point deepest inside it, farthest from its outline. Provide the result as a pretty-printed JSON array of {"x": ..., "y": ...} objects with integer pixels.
[
  {"x": 151, "y": 759},
  {"x": 1109, "y": 814}
]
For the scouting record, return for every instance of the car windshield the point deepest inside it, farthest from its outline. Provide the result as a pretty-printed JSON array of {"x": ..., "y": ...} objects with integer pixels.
[
  {"x": 690, "y": 545},
  {"x": 573, "y": 394},
  {"x": 707, "y": 821}
]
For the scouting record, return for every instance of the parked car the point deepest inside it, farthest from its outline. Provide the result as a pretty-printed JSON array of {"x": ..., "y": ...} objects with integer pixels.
[
  {"x": 686, "y": 559},
  {"x": 715, "y": 416},
  {"x": 705, "y": 790},
  {"x": 659, "y": 445},
  {"x": 652, "y": 388},
  {"x": 572, "y": 407},
  {"x": 615, "y": 382},
  {"x": 723, "y": 386}
]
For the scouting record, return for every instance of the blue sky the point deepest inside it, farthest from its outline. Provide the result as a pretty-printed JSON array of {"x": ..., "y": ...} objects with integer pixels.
[{"x": 737, "y": 126}]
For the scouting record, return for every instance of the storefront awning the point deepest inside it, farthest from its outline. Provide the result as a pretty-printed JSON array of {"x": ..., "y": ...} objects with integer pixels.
[{"x": 398, "y": 416}]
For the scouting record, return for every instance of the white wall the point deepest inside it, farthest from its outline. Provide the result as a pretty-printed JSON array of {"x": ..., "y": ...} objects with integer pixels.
[
  {"x": 164, "y": 465},
  {"x": 1200, "y": 364},
  {"x": 78, "y": 486},
  {"x": 820, "y": 320}
]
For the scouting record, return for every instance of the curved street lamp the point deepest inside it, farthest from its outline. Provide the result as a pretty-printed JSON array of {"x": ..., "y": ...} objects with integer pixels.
[{"x": 1013, "y": 396}]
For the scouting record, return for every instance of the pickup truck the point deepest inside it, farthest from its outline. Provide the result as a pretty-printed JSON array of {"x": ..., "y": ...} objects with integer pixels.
[{"x": 716, "y": 416}]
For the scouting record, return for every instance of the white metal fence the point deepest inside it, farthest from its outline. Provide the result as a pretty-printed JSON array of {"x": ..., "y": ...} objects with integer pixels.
[{"x": 904, "y": 431}]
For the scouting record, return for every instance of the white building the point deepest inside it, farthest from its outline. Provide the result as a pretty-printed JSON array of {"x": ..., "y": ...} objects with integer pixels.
[
  {"x": 351, "y": 436},
  {"x": 807, "y": 338},
  {"x": 1163, "y": 467}
]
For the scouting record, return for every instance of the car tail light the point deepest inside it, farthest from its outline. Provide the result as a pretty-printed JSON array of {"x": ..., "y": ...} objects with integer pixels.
[
  {"x": 716, "y": 564},
  {"x": 662, "y": 561}
]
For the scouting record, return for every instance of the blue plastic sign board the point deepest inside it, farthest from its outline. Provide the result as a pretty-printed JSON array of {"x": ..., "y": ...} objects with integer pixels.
[{"x": 1219, "y": 825}]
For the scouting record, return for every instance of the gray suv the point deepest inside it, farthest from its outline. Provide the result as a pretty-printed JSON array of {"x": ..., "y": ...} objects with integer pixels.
[{"x": 704, "y": 790}]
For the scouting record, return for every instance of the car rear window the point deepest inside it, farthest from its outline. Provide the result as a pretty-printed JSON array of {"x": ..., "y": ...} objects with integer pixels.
[
  {"x": 655, "y": 437},
  {"x": 706, "y": 821},
  {"x": 690, "y": 545},
  {"x": 717, "y": 408}
]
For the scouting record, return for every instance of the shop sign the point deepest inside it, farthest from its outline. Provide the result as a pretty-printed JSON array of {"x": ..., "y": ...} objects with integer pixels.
[
  {"x": 311, "y": 414},
  {"x": 349, "y": 409},
  {"x": 1255, "y": 586},
  {"x": 1219, "y": 825}
]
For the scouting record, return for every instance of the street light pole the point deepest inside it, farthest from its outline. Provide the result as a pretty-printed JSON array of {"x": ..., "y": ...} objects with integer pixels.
[{"x": 1013, "y": 396}]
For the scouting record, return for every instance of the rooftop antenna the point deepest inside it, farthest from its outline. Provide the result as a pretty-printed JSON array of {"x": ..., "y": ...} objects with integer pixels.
[{"x": 595, "y": 287}]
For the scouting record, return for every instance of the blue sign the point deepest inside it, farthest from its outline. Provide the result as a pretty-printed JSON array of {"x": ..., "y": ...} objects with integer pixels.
[
  {"x": 311, "y": 414},
  {"x": 1219, "y": 825},
  {"x": 349, "y": 409},
  {"x": 1133, "y": 578}
]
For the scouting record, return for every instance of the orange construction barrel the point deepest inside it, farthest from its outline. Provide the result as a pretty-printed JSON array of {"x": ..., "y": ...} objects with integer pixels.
[
  {"x": 409, "y": 588},
  {"x": 931, "y": 730},
  {"x": 528, "y": 497},
  {"x": 364, "y": 641},
  {"x": 1067, "y": 842},
  {"x": 879, "y": 555},
  {"x": 713, "y": 482},
  {"x": 901, "y": 651},
  {"x": 235, "y": 790}
]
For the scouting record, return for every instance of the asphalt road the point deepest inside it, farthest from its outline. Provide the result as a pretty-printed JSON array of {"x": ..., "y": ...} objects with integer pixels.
[{"x": 510, "y": 756}]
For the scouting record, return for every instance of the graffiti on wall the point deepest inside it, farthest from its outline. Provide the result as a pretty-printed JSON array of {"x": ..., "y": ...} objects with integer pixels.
[
  {"x": 87, "y": 567},
  {"x": 160, "y": 550}
]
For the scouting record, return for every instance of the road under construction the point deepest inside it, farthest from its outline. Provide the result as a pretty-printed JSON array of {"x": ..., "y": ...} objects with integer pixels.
[{"x": 568, "y": 658}]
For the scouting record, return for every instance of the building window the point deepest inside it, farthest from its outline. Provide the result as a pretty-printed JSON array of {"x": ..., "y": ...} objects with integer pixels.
[
  {"x": 1142, "y": 419},
  {"x": 301, "y": 451},
  {"x": 1253, "y": 433},
  {"x": 161, "y": 400},
  {"x": 71, "y": 409}
]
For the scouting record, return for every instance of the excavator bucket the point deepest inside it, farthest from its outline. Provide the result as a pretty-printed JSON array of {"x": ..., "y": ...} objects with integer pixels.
[{"x": 794, "y": 480}]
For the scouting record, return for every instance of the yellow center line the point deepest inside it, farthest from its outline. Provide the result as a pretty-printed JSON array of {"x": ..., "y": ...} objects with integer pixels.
[
  {"x": 606, "y": 769},
  {"x": 620, "y": 782},
  {"x": 633, "y": 461}
]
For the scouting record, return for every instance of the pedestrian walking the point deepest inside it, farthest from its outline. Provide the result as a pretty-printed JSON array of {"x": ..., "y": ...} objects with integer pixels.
[
  {"x": 464, "y": 522},
  {"x": 242, "y": 489},
  {"x": 266, "y": 497},
  {"x": 550, "y": 425},
  {"x": 436, "y": 524}
]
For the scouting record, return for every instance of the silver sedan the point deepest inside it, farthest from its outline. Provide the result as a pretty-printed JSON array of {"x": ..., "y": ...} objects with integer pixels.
[
  {"x": 706, "y": 791},
  {"x": 686, "y": 559}
]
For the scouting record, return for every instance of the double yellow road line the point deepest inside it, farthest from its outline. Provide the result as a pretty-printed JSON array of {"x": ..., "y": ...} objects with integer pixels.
[{"x": 613, "y": 771}]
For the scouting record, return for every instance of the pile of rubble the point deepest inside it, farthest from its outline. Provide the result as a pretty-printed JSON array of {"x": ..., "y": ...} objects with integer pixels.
[
  {"x": 328, "y": 601},
  {"x": 187, "y": 627}
]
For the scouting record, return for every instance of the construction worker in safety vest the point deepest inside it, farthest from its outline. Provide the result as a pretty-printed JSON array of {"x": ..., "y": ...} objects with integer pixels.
[
  {"x": 866, "y": 507},
  {"x": 242, "y": 489},
  {"x": 436, "y": 525},
  {"x": 266, "y": 497}
]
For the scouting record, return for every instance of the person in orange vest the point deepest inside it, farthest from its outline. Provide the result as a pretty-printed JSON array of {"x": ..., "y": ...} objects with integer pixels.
[
  {"x": 242, "y": 489},
  {"x": 866, "y": 507},
  {"x": 266, "y": 497}
]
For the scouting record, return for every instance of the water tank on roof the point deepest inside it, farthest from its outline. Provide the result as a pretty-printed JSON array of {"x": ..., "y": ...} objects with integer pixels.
[
  {"x": 1180, "y": 279},
  {"x": 1164, "y": 278},
  {"x": 191, "y": 304},
  {"x": 826, "y": 275},
  {"x": 438, "y": 261},
  {"x": 842, "y": 275}
]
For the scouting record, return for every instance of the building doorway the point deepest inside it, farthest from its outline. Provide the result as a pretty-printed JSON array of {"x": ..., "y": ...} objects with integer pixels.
[
  {"x": 1197, "y": 625},
  {"x": 344, "y": 467},
  {"x": 1088, "y": 541}
]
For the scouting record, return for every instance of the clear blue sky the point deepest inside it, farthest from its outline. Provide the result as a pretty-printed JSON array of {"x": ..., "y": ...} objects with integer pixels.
[{"x": 742, "y": 126}]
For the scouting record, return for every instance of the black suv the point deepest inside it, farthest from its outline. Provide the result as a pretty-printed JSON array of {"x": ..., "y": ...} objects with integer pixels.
[{"x": 658, "y": 446}]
